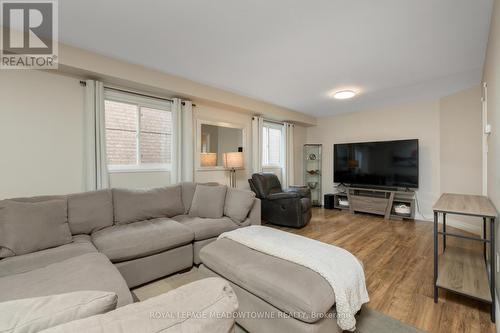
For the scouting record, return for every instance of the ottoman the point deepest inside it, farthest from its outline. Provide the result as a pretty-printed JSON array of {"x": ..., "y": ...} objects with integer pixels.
[{"x": 274, "y": 295}]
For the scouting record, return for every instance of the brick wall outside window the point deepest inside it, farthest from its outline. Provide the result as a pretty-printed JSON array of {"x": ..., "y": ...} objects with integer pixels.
[{"x": 129, "y": 137}]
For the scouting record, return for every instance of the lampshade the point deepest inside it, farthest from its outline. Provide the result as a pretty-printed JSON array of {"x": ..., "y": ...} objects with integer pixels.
[
  {"x": 233, "y": 160},
  {"x": 208, "y": 159}
]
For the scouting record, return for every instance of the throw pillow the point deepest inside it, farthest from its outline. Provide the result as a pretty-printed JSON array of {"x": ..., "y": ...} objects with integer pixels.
[
  {"x": 38, "y": 313},
  {"x": 27, "y": 227},
  {"x": 208, "y": 201},
  {"x": 238, "y": 204}
]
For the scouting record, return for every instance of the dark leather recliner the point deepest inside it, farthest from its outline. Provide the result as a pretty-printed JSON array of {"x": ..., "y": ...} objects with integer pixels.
[{"x": 289, "y": 208}]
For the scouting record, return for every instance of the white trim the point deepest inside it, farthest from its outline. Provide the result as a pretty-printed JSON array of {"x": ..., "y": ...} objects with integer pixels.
[
  {"x": 139, "y": 102},
  {"x": 497, "y": 312},
  {"x": 149, "y": 102},
  {"x": 140, "y": 168},
  {"x": 272, "y": 166},
  {"x": 281, "y": 128}
]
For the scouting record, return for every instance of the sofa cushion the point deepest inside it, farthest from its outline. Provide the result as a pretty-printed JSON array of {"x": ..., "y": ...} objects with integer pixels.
[
  {"x": 91, "y": 271},
  {"x": 206, "y": 228},
  {"x": 238, "y": 203},
  {"x": 187, "y": 190},
  {"x": 140, "y": 239},
  {"x": 81, "y": 244},
  {"x": 212, "y": 301},
  {"x": 287, "y": 286},
  {"x": 208, "y": 201},
  {"x": 27, "y": 227},
  {"x": 138, "y": 205},
  {"x": 90, "y": 211},
  {"x": 35, "y": 314}
]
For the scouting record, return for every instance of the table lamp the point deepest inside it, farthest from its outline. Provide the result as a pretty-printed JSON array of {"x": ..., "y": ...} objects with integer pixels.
[
  {"x": 233, "y": 161},
  {"x": 208, "y": 159}
]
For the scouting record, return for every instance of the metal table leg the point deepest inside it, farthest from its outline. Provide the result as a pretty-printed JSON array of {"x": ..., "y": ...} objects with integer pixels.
[
  {"x": 484, "y": 237},
  {"x": 435, "y": 256},
  {"x": 444, "y": 230},
  {"x": 492, "y": 267}
]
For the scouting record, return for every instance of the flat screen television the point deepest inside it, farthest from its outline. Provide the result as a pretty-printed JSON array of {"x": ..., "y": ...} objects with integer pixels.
[{"x": 377, "y": 164}]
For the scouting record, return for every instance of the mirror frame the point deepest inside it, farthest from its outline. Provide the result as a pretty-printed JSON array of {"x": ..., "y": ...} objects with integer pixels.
[{"x": 200, "y": 122}]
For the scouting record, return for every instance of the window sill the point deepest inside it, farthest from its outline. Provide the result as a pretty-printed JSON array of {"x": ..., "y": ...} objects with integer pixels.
[
  {"x": 138, "y": 169},
  {"x": 272, "y": 167}
]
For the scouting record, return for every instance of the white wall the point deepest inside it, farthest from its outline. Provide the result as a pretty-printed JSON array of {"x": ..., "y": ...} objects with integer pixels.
[
  {"x": 41, "y": 133},
  {"x": 418, "y": 121}
]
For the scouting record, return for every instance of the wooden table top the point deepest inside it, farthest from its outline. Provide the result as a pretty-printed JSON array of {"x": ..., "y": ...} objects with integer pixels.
[{"x": 475, "y": 205}]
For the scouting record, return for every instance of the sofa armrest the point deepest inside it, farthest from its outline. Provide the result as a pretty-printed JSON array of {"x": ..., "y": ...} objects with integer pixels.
[
  {"x": 255, "y": 213},
  {"x": 212, "y": 302},
  {"x": 283, "y": 195}
]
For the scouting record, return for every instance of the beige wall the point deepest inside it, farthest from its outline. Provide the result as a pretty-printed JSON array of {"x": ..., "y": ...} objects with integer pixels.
[
  {"x": 299, "y": 138},
  {"x": 41, "y": 133},
  {"x": 492, "y": 78},
  {"x": 139, "y": 179},
  {"x": 449, "y": 133},
  {"x": 84, "y": 63},
  {"x": 417, "y": 121},
  {"x": 461, "y": 142}
]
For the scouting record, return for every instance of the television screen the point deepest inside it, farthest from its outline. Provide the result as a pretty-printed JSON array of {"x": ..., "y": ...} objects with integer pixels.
[{"x": 385, "y": 163}]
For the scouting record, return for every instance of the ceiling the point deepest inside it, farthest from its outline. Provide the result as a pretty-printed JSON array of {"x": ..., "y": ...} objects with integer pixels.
[{"x": 292, "y": 53}]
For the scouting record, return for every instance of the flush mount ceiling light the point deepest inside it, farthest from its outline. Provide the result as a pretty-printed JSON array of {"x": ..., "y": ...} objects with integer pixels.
[{"x": 343, "y": 94}]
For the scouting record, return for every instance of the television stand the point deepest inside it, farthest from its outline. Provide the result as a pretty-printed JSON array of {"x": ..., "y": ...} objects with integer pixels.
[{"x": 390, "y": 203}]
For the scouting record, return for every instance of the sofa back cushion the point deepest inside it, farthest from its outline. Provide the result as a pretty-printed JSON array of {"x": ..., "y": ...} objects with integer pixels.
[
  {"x": 27, "y": 227},
  {"x": 90, "y": 211},
  {"x": 38, "y": 313},
  {"x": 188, "y": 189},
  {"x": 208, "y": 201},
  {"x": 238, "y": 204},
  {"x": 138, "y": 205}
]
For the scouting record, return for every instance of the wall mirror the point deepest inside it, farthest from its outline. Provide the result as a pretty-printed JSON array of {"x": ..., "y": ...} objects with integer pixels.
[{"x": 214, "y": 140}]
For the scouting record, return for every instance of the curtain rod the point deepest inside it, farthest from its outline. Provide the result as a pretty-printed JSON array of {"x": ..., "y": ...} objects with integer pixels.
[
  {"x": 274, "y": 121},
  {"x": 83, "y": 83}
]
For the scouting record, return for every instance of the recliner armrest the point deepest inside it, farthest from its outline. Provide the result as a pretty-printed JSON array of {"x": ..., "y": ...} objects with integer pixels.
[
  {"x": 283, "y": 195},
  {"x": 303, "y": 191}
]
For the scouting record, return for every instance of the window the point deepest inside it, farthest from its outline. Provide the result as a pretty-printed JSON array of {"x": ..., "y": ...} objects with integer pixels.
[
  {"x": 138, "y": 132},
  {"x": 272, "y": 150}
]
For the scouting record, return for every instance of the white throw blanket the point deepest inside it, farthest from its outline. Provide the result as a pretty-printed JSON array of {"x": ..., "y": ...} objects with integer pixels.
[{"x": 339, "y": 267}]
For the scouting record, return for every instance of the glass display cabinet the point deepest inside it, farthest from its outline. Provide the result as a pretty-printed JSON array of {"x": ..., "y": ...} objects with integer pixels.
[{"x": 312, "y": 171}]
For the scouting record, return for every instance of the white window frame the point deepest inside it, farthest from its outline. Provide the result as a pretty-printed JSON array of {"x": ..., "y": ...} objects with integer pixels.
[
  {"x": 148, "y": 102},
  {"x": 282, "y": 150}
]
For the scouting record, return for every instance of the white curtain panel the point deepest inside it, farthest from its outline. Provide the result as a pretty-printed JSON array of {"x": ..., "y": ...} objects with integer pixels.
[
  {"x": 96, "y": 170},
  {"x": 288, "y": 170},
  {"x": 257, "y": 124},
  {"x": 187, "y": 174},
  {"x": 183, "y": 141}
]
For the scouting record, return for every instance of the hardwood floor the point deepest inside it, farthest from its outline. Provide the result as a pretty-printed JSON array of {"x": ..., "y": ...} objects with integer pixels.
[{"x": 398, "y": 262}]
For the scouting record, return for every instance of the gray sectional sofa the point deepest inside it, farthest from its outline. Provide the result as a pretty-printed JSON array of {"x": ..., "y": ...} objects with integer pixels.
[{"x": 112, "y": 240}]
